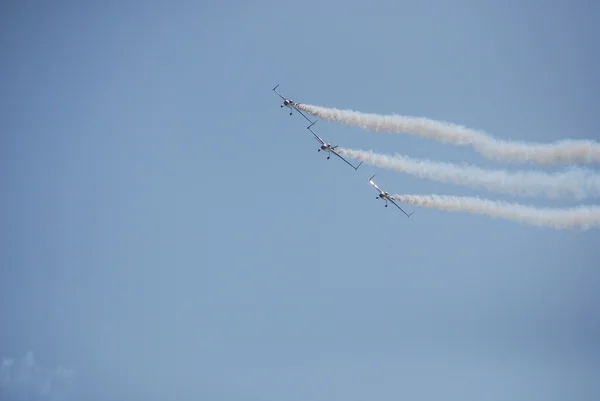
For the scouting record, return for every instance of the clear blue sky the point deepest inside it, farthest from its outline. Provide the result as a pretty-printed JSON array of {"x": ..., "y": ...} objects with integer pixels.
[{"x": 168, "y": 232}]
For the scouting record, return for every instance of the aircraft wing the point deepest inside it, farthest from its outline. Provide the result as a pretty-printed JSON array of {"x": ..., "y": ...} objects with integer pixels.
[
  {"x": 303, "y": 115},
  {"x": 350, "y": 164},
  {"x": 275, "y": 90},
  {"x": 375, "y": 185},
  {"x": 407, "y": 215},
  {"x": 317, "y": 137}
]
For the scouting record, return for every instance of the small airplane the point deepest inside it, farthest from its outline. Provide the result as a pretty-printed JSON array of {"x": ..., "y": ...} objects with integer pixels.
[
  {"x": 326, "y": 147},
  {"x": 291, "y": 105},
  {"x": 386, "y": 196}
]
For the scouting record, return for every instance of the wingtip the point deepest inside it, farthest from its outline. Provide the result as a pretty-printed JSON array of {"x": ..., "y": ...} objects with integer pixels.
[
  {"x": 276, "y": 86},
  {"x": 371, "y": 177},
  {"x": 357, "y": 167}
]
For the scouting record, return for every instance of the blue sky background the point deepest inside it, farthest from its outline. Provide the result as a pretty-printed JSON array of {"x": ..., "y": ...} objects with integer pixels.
[{"x": 168, "y": 232}]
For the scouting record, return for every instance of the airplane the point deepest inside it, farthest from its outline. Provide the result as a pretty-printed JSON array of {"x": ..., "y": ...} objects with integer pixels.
[
  {"x": 291, "y": 105},
  {"x": 386, "y": 196},
  {"x": 326, "y": 147}
]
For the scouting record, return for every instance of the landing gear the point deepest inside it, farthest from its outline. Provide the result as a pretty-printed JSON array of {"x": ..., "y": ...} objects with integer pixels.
[{"x": 328, "y": 157}]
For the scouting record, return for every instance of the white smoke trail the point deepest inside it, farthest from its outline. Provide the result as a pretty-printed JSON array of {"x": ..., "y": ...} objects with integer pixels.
[
  {"x": 575, "y": 182},
  {"x": 582, "y": 217},
  {"x": 565, "y": 151}
]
